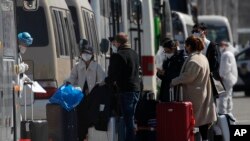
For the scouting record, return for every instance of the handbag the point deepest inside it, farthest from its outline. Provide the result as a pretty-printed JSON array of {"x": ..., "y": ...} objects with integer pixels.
[{"x": 217, "y": 84}]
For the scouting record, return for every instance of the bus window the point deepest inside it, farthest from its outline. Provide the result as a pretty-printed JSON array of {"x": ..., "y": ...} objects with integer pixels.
[
  {"x": 178, "y": 31},
  {"x": 90, "y": 31},
  {"x": 76, "y": 23},
  {"x": 61, "y": 32},
  {"x": 26, "y": 21}
]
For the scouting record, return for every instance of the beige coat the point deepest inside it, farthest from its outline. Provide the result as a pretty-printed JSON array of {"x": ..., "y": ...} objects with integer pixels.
[
  {"x": 196, "y": 84},
  {"x": 94, "y": 74}
]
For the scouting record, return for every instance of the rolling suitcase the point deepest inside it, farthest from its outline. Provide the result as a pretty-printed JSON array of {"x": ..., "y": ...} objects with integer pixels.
[
  {"x": 175, "y": 120},
  {"x": 62, "y": 124},
  {"x": 145, "y": 117},
  {"x": 32, "y": 130}
]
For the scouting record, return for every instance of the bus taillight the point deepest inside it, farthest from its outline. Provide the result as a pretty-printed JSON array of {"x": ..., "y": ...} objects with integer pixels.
[{"x": 148, "y": 65}]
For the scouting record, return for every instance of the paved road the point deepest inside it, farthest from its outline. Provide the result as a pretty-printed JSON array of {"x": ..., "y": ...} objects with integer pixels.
[{"x": 241, "y": 109}]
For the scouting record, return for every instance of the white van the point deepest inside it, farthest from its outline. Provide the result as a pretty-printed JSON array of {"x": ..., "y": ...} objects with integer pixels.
[
  {"x": 218, "y": 28},
  {"x": 51, "y": 56}
]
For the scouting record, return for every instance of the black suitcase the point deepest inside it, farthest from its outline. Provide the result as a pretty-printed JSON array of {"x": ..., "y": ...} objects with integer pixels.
[
  {"x": 145, "y": 116},
  {"x": 61, "y": 123},
  {"x": 35, "y": 130}
]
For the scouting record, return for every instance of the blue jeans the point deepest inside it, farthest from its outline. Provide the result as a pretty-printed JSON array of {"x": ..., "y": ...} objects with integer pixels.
[{"x": 128, "y": 104}]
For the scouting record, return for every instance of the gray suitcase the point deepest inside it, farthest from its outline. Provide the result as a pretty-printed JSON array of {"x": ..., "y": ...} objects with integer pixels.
[{"x": 36, "y": 130}]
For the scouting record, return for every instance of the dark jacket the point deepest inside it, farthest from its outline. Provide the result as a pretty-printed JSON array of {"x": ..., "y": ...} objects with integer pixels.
[
  {"x": 172, "y": 68},
  {"x": 213, "y": 57},
  {"x": 90, "y": 111},
  {"x": 124, "y": 70}
]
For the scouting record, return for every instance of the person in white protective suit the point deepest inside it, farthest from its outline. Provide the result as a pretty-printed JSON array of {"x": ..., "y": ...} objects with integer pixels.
[
  {"x": 229, "y": 74},
  {"x": 24, "y": 40}
]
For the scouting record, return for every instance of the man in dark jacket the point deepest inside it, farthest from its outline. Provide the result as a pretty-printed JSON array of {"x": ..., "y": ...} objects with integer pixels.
[
  {"x": 124, "y": 73},
  {"x": 211, "y": 51}
]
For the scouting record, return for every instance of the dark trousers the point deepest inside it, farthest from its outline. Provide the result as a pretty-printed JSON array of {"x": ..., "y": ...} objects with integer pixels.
[{"x": 128, "y": 101}]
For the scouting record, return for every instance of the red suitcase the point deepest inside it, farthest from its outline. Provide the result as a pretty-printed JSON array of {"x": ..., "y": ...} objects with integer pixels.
[{"x": 175, "y": 121}]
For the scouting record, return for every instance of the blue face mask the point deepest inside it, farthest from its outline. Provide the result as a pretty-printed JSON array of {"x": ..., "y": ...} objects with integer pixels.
[{"x": 197, "y": 34}]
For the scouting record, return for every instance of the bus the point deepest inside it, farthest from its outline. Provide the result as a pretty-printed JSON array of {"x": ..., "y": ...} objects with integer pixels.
[
  {"x": 218, "y": 28},
  {"x": 146, "y": 23},
  {"x": 54, "y": 49}
]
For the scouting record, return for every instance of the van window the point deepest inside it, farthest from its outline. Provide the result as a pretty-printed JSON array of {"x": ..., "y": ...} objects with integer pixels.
[
  {"x": 217, "y": 33},
  {"x": 62, "y": 32},
  {"x": 90, "y": 30},
  {"x": 35, "y": 24},
  {"x": 76, "y": 23}
]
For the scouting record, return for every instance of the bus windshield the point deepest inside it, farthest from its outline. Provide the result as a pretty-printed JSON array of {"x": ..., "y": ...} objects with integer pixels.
[{"x": 35, "y": 24}]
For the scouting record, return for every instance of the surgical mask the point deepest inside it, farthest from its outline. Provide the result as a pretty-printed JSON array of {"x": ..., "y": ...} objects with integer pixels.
[
  {"x": 86, "y": 57},
  {"x": 221, "y": 49},
  {"x": 169, "y": 55},
  {"x": 114, "y": 49},
  {"x": 197, "y": 34},
  {"x": 22, "y": 49}
]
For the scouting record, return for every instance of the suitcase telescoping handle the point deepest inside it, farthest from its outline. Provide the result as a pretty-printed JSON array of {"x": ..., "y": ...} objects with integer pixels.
[
  {"x": 179, "y": 93},
  {"x": 26, "y": 83}
]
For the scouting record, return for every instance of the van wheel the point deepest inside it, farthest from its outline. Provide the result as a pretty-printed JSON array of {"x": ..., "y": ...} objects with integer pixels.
[{"x": 247, "y": 93}]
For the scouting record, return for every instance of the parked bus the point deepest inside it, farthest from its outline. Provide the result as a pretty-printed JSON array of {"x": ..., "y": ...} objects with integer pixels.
[
  {"x": 51, "y": 56},
  {"x": 218, "y": 28},
  {"x": 147, "y": 23}
]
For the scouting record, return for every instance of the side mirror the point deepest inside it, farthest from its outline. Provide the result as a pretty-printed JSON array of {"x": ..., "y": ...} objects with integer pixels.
[
  {"x": 30, "y": 5},
  {"x": 104, "y": 45}
]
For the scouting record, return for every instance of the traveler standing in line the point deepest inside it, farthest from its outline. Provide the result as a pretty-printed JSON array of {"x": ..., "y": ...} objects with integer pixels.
[
  {"x": 124, "y": 72},
  {"x": 195, "y": 80},
  {"x": 171, "y": 67},
  {"x": 211, "y": 51},
  {"x": 229, "y": 75},
  {"x": 85, "y": 74}
]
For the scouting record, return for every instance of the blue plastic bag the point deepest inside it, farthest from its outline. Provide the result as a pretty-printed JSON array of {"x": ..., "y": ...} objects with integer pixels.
[{"x": 67, "y": 96}]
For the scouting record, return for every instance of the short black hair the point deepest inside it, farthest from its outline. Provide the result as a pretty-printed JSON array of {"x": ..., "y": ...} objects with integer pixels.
[
  {"x": 111, "y": 39},
  {"x": 201, "y": 26},
  {"x": 169, "y": 44}
]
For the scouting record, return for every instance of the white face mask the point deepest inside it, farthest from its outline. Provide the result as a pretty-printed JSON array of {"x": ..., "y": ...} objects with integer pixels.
[
  {"x": 221, "y": 49},
  {"x": 86, "y": 57},
  {"x": 169, "y": 55},
  {"x": 22, "y": 49},
  {"x": 114, "y": 49}
]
